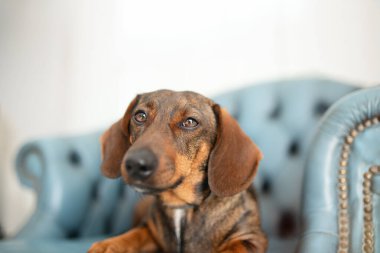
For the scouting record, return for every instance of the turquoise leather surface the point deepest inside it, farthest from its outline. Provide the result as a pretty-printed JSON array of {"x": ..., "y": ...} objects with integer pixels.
[
  {"x": 281, "y": 118},
  {"x": 320, "y": 194},
  {"x": 47, "y": 246},
  {"x": 76, "y": 204},
  {"x": 74, "y": 199}
]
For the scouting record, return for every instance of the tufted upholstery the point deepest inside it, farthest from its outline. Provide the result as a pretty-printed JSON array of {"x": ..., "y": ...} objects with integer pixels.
[
  {"x": 338, "y": 171},
  {"x": 76, "y": 202},
  {"x": 281, "y": 117},
  {"x": 74, "y": 199}
]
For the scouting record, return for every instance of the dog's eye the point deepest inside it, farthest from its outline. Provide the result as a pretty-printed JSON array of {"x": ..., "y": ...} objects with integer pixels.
[
  {"x": 189, "y": 123},
  {"x": 140, "y": 117}
]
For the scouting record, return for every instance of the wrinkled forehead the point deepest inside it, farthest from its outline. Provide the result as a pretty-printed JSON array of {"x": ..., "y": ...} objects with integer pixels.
[{"x": 175, "y": 100}]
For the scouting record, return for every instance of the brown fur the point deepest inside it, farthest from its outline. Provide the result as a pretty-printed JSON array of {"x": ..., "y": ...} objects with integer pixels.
[{"x": 205, "y": 171}]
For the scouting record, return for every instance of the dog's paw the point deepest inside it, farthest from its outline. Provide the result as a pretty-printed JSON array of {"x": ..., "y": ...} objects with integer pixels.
[{"x": 107, "y": 246}]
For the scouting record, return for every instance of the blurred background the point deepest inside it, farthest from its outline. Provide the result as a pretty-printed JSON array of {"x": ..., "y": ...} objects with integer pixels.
[{"x": 72, "y": 66}]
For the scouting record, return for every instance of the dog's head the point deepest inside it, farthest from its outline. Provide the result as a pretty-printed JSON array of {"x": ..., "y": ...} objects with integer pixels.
[{"x": 179, "y": 142}]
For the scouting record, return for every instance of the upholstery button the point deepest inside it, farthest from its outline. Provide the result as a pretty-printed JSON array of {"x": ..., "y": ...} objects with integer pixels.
[
  {"x": 276, "y": 112},
  {"x": 321, "y": 108},
  {"x": 72, "y": 234},
  {"x": 294, "y": 148},
  {"x": 74, "y": 158},
  {"x": 266, "y": 187},
  {"x": 287, "y": 224}
]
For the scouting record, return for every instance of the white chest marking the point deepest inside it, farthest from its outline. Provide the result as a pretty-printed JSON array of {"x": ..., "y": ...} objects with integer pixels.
[{"x": 178, "y": 216}]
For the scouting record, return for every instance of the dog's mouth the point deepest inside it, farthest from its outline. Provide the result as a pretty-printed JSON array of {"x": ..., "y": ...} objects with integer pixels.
[{"x": 145, "y": 189}]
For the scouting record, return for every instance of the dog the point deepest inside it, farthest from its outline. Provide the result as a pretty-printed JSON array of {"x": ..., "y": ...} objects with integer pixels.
[{"x": 195, "y": 165}]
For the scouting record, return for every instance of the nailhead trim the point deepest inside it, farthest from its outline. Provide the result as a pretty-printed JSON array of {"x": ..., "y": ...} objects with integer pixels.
[
  {"x": 368, "y": 233},
  {"x": 342, "y": 183}
]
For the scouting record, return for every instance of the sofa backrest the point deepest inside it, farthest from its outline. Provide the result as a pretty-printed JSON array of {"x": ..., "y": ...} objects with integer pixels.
[
  {"x": 281, "y": 117},
  {"x": 75, "y": 200}
]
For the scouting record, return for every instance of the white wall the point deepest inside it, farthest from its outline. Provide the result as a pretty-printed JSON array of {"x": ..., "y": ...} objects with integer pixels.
[{"x": 72, "y": 66}]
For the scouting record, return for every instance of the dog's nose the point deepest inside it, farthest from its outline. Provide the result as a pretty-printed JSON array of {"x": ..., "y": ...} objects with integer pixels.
[{"x": 141, "y": 164}]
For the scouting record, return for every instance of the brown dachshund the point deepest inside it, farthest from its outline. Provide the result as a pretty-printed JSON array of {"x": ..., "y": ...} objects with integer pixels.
[{"x": 196, "y": 165}]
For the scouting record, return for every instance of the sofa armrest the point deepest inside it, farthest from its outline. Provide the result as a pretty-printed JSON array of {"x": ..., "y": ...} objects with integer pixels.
[
  {"x": 73, "y": 198},
  {"x": 61, "y": 171},
  {"x": 344, "y": 149}
]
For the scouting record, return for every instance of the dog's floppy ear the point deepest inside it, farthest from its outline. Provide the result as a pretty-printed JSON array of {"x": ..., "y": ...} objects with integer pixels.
[
  {"x": 234, "y": 159},
  {"x": 115, "y": 142}
]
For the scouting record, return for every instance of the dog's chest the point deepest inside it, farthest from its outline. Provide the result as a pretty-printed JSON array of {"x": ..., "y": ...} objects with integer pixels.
[
  {"x": 198, "y": 230},
  {"x": 198, "y": 233},
  {"x": 189, "y": 232}
]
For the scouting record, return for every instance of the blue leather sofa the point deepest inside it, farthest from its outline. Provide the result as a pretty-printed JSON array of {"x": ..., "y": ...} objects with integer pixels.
[{"x": 307, "y": 197}]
